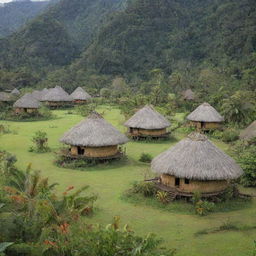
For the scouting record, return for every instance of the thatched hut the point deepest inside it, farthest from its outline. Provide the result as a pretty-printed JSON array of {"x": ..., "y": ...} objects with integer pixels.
[
  {"x": 195, "y": 165},
  {"x": 147, "y": 122},
  {"x": 5, "y": 97},
  {"x": 15, "y": 92},
  {"x": 26, "y": 104},
  {"x": 37, "y": 95},
  {"x": 188, "y": 95},
  {"x": 56, "y": 97},
  {"x": 94, "y": 138},
  {"x": 205, "y": 118},
  {"x": 249, "y": 133},
  {"x": 80, "y": 96}
]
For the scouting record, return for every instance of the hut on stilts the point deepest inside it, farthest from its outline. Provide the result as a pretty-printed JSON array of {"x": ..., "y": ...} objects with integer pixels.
[
  {"x": 56, "y": 97},
  {"x": 194, "y": 165},
  {"x": 249, "y": 133},
  {"x": 94, "y": 139},
  {"x": 26, "y": 104},
  {"x": 205, "y": 118},
  {"x": 80, "y": 96},
  {"x": 147, "y": 123},
  {"x": 188, "y": 95}
]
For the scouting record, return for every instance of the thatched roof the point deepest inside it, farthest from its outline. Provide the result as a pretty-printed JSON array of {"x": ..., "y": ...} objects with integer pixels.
[
  {"x": 188, "y": 94},
  {"x": 80, "y": 94},
  {"x": 27, "y": 101},
  {"x": 147, "y": 118},
  {"x": 249, "y": 132},
  {"x": 37, "y": 95},
  {"x": 56, "y": 94},
  {"x": 94, "y": 131},
  {"x": 205, "y": 113},
  {"x": 15, "y": 92},
  {"x": 195, "y": 157},
  {"x": 5, "y": 97}
]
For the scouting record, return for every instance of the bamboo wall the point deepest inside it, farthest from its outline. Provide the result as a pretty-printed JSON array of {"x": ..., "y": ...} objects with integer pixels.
[
  {"x": 156, "y": 132},
  {"x": 80, "y": 101},
  {"x": 195, "y": 185},
  {"x": 96, "y": 151},
  {"x": 204, "y": 125},
  {"x": 58, "y": 103}
]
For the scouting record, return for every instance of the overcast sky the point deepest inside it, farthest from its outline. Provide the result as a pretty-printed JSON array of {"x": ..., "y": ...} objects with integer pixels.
[{"x": 6, "y": 1}]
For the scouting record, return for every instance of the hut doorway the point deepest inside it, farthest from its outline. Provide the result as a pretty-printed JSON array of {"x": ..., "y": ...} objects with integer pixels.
[
  {"x": 25, "y": 110},
  {"x": 177, "y": 182},
  {"x": 80, "y": 151}
]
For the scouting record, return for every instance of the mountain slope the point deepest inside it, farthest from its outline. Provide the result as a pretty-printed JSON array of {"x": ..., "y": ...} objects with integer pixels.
[{"x": 13, "y": 15}]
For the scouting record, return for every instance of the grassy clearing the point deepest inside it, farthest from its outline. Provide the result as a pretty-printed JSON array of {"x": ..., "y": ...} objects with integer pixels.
[{"x": 176, "y": 227}]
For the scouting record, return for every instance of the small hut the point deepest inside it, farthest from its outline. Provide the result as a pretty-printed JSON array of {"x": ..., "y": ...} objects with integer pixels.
[
  {"x": 249, "y": 133},
  {"x": 188, "y": 95},
  {"x": 94, "y": 138},
  {"x": 15, "y": 92},
  {"x": 26, "y": 104},
  {"x": 5, "y": 97},
  {"x": 195, "y": 165},
  {"x": 205, "y": 118},
  {"x": 80, "y": 96},
  {"x": 147, "y": 122},
  {"x": 56, "y": 97}
]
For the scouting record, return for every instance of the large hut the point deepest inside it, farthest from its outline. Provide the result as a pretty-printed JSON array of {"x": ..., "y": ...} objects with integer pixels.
[
  {"x": 15, "y": 92},
  {"x": 56, "y": 97},
  {"x": 147, "y": 123},
  {"x": 205, "y": 118},
  {"x": 94, "y": 139},
  {"x": 249, "y": 133},
  {"x": 188, "y": 95},
  {"x": 5, "y": 97},
  {"x": 26, "y": 104},
  {"x": 80, "y": 96},
  {"x": 195, "y": 165}
]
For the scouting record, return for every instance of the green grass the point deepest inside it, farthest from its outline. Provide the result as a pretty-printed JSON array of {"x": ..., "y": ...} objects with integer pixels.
[{"x": 176, "y": 227}]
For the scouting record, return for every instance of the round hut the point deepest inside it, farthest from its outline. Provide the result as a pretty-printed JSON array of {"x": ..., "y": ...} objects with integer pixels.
[
  {"x": 26, "y": 104},
  {"x": 188, "y": 95},
  {"x": 205, "y": 118},
  {"x": 195, "y": 165},
  {"x": 56, "y": 97},
  {"x": 94, "y": 138},
  {"x": 147, "y": 122},
  {"x": 80, "y": 96},
  {"x": 15, "y": 92},
  {"x": 5, "y": 97},
  {"x": 249, "y": 133}
]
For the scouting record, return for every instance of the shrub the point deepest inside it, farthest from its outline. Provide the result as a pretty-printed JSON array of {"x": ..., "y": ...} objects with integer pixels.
[
  {"x": 145, "y": 188},
  {"x": 145, "y": 158},
  {"x": 204, "y": 207},
  {"x": 162, "y": 196},
  {"x": 230, "y": 135},
  {"x": 40, "y": 140},
  {"x": 19, "y": 250}
]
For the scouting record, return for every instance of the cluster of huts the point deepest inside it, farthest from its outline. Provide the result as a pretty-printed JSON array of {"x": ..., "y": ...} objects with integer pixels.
[
  {"x": 53, "y": 98},
  {"x": 193, "y": 164}
]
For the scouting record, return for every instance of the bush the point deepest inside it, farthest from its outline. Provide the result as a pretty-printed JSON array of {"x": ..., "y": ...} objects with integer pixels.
[
  {"x": 145, "y": 188},
  {"x": 162, "y": 196},
  {"x": 145, "y": 158},
  {"x": 230, "y": 135},
  {"x": 19, "y": 250},
  {"x": 204, "y": 207},
  {"x": 40, "y": 140}
]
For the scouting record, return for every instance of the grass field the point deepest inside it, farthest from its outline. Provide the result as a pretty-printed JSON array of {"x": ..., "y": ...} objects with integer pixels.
[{"x": 177, "y": 228}]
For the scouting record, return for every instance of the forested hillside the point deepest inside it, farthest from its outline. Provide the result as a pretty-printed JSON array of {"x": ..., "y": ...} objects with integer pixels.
[
  {"x": 13, "y": 15},
  {"x": 194, "y": 43}
]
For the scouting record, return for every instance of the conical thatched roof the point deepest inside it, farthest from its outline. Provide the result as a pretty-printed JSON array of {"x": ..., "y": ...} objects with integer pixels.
[
  {"x": 188, "y": 95},
  {"x": 56, "y": 94},
  {"x": 249, "y": 132},
  {"x": 27, "y": 101},
  {"x": 147, "y": 118},
  {"x": 15, "y": 92},
  {"x": 94, "y": 131},
  {"x": 37, "y": 95},
  {"x": 195, "y": 157},
  {"x": 205, "y": 113},
  {"x": 4, "y": 97},
  {"x": 80, "y": 94}
]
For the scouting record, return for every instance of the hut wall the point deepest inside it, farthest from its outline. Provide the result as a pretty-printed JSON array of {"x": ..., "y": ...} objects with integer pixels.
[
  {"x": 31, "y": 110},
  {"x": 74, "y": 151},
  {"x": 204, "y": 125},
  {"x": 101, "y": 151},
  {"x": 57, "y": 103},
  {"x": 19, "y": 110},
  {"x": 80, "y": 101},
  {"x": 195, "y": 185},
  {"x": 136, "y": 132}
]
